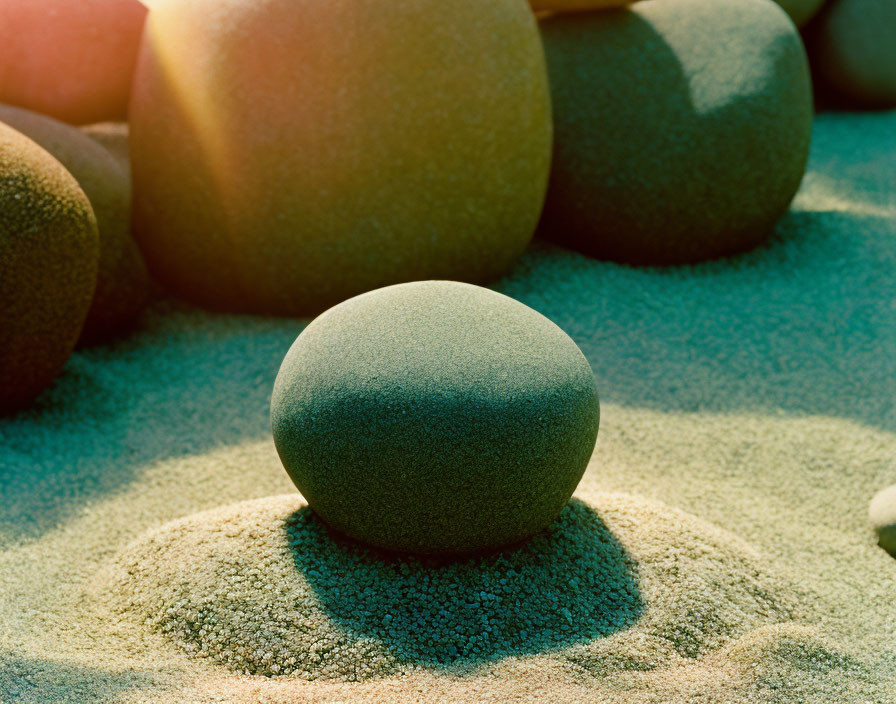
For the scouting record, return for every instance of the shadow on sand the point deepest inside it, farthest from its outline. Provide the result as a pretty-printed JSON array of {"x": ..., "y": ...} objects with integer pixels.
[
  {"x": 571, "y": 583},
  {"x": 26, "y": 680}
]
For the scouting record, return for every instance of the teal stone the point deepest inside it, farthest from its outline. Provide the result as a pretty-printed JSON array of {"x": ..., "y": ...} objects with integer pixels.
[
  {"x": 681, "y": 129},
  {"x": 435, "y": 417}
]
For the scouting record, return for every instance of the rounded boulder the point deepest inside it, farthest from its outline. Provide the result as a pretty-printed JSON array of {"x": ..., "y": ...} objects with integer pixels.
[
  {"x": 853, "y": 47},
  {"x": 681, "y": 128},
  {"x": 49, "y": 248},
  {"x": 72, "y": 60},
  {"x": 122, "y": 286},
  {"x": 435, "y": 417},
  {"x": 358, "y": 144}
]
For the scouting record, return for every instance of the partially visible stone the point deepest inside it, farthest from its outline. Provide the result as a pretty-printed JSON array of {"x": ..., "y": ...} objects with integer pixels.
[
  {"x": 681, "y": 128},
  {"x": 285, "y": 160},
  {"x": 882, "y": 513},
  {"x": 49, "y": 249},
  {"x": 70, "y": 59},
  {"x": 122, "y": 283},
  {"x": 853, "y": 47}
]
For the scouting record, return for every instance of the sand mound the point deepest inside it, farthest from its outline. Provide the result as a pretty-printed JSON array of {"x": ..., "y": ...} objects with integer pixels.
[{"x": 262, "y": 587}]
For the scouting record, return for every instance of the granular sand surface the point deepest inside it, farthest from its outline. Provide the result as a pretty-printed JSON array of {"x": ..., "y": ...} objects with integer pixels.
[
  {"x": 152, "y": 549},
  {"x": 261, "y": 588}
]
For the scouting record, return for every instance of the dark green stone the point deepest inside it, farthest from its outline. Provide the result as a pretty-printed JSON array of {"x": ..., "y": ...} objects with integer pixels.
[
  {"x": 435, "y": 417},
  {"x": 681, "y": 129}
]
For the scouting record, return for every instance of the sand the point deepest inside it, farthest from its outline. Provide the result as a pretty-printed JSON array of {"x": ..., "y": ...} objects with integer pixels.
[{"x": 718, "y": 549}]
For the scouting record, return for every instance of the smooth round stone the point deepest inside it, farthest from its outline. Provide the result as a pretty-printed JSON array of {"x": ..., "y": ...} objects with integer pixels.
[
  {"x": 435, "y": 417},
  {"x": 122, "y": 286},
  {"x": 853, "y": 47},
  {"x": 285, "y": 160},
  {"x": 49, "y": 249},
  {"x": 681, "y": 128},
  {"x": 70, "y": 59},
  {"x": 882, "y": 513}
]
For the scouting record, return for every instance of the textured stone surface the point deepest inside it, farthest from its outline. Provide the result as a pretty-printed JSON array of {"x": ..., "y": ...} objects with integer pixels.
[
  {"x": 882, "y": 513},
  {"x": 853, "y": 47},
  {"x": 48, "y": 262},
  {"x": 71, "y": 60},
  {"x": 360, "y": 144},
  {"x": 681, "y": 128},
  {"x": 435, "y": 417},
  {"x": 122, "y": 286}
]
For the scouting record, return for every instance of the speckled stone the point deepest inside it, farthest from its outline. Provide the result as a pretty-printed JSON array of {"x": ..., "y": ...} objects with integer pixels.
[
  {"x": 286, "y": 160},
  {"x": 49, "y": 248},
  {"x": 882, "y": 513},
  {"x": 435, "y": 417},
  {"x": 681, "y": 128},
  {"x": 122, "y": 286},
  {"x": 853, "y": 47}
]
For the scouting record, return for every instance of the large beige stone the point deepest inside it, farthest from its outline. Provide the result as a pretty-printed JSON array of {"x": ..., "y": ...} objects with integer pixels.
[
  {"x": 285, "y": 160},
  {"x": 71, "y": 59}
]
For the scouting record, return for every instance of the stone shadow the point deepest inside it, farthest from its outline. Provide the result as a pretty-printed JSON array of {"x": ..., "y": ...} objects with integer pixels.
[
  {"x": 184, "y": 383},
  {"x": 800, "y": 325},
  {"x": 27, "y": 680},
  {"x": 570, "y": 584}
]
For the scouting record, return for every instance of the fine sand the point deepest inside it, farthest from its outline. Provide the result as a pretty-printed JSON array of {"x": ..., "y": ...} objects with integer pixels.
[{"x": 152, "y": 549}]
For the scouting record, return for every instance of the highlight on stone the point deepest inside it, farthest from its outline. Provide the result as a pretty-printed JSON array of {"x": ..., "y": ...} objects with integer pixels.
[
  {"x": 711, "y": 187},
  {"x": 359, "y": 144},
  {"x": 435, "y": 417}
]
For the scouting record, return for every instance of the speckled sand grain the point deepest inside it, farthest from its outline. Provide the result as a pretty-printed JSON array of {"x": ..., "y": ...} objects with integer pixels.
[{"x": 747, "y": 420}]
